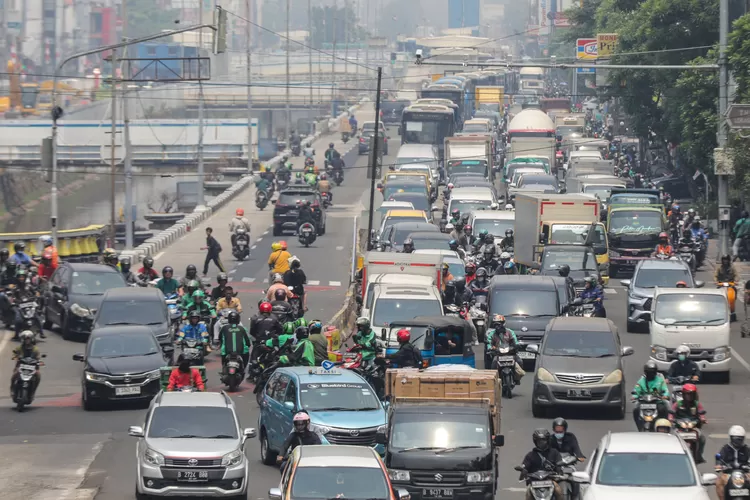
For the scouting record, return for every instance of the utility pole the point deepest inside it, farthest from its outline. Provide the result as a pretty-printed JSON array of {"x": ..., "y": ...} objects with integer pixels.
[
  {"x": 113, "y": 146},
  {"x": 367, "y": 33},
  {"x": 129, "y": 203},
  {"x": 248, "y": 56},
  {"x": 310, "y": 55},
  {"x": 333, "y": 58},
  {"x": 723, "y": 180},
  {"x": 374, "y": 165},
  {"x": 201, "y": 173},
  {"x": 346, "y": 40},
  {"x": 288, "y": 82}
]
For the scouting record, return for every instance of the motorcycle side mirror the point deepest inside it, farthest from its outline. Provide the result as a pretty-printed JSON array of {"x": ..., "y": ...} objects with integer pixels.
[
  {"x": 518, "y": 468},
  {"x": 167, "y": 349},
  {"x": 498, "y": 440},
  {"x": 578, "y": 301},
  {"x": 381, "y": 438},
  {"x": 533, "y": 348},
  {"x": 625, "y": 283},
  {"x": 580, "y": 477},
  {"x": 44, "y": 355}
]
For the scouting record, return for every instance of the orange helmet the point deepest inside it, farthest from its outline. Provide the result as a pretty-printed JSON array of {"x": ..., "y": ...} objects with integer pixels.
[
  {"x": 239, "y": 212},
  {"x": 283, "y": 245},
  {"x": 681, "y": 284}
]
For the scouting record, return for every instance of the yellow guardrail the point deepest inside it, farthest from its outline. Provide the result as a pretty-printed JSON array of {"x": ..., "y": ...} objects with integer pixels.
[{"x": 72, "y": 244}]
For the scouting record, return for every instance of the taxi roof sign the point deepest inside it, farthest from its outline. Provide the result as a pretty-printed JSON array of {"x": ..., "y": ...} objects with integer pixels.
[{"x": 322, "y": 371}]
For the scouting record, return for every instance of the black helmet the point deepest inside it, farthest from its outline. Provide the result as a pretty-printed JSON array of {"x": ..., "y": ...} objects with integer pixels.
[
  {"x": 234, "y": 318},
  {"x": 195, "y": 314},
  {"x": 148, "y": 262},
  {"x": 167, "y": 269},
  {"x": 222, "y": 277},
  {"x": 301, "y": 332},
  {"x": 650, "y": 369},
  {"x": 409, "y": 241},
  {"x": 745, "y": 214},
  {"x": 450, "y": 284},
  {"x": 541, "y": 439},
  {"x": 330, "y": 145},
  {"x": 560, "y": 422},
  {"x": 509, "y": 233},
  {"x": 279, "y": 294},
  {"x": 460, "y": 285},
  {"x": 191, "y": 269},
  {"x": 19, "y": 246},
  {"x": 4, "y": 252},
  {"x": 564, "y": 270}
]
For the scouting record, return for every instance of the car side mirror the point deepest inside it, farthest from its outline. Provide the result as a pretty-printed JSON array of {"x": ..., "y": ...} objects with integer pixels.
[
  {"x": 381, "y": 438},
  {"x": 383, "y": 334},
  {"x": 700, "y": 284},
  {"x": 289, "y": 405},
  {"x": 580, "y": 477},
  {"x": 58, "y": 289},
  {"x": 249, "y": 433},
  {"x": 498, "y": 440},
  {"x": 627, "y": 351},
  {"x": 533, "y": 348},
  {"x": 563, "y": 190},
  {"x": 578, "y": 301},
  {"x": 79, "y": 357},
  {"x": 708, "y": 479},
  {"x": 379, "y": 185},
  {"x": 274, "y": 494},
  {"x": 625, "y": 283},
  {"x": 167, "y": 349},
  {"x": 512, "y": 184},
  {"x": 135, "y": 431}
]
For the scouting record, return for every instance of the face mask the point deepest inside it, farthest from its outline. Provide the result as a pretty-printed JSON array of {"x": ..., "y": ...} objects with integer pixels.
[
  {"x": 682, "y": 357},
  {"x": 650, "y": 376},
  {"x": 185, "y": 367},
  {"x": 559, "y": 435}
]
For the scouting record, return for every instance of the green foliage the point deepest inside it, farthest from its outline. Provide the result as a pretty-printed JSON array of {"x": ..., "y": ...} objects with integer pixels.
[{"x": 738, "y": 56}]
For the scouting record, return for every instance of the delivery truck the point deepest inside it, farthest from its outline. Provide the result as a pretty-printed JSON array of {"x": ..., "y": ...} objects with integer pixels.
[
  {"x": 391, "y": 268},
  {"x": 472, "y": 152},
  {"x": 537, "y": 212},
  {"x": 485, "y": 94}
]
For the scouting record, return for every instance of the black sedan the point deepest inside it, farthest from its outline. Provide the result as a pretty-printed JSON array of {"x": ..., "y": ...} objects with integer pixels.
[
  {"x": 365, "y": 139},
  {"x": 121, "y": 363}
]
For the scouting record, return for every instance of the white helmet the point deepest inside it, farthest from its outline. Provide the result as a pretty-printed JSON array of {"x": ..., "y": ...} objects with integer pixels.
[
  {"x": 292, "y": 260},
  {"x": 683, "y": 349},
  {"x": 505, "y": 256},
  {"x": 734, "y": 431},
  {"x": 278, "y": 278},
  {"x": 509, "y": 206},
  {"x": 45, "y": 240},
  {"x": 26, "y": 334},
  {"x": 449, "y": 227}
]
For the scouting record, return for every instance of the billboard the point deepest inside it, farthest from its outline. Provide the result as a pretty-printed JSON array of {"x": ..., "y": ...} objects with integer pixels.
[
  {"x": 586, "y": 49},
  {"x": 544, "y": 21}
]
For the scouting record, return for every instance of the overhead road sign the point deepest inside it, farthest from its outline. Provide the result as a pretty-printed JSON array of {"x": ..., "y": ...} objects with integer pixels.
[{"x": 586, "y": 49}]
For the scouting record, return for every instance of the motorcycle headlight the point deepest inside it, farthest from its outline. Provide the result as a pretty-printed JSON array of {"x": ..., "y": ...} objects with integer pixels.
[
  {"x": 401, "y": 476},
  {"x": 233, "y": 458},
  {"x": 721, "y": 353},
  {"x": 658, "y": 352},
  {"x": 613, "y": 378},
  {"x": 479, "y": 477},
  {"x": 544, "y": 376},
  {"x": 152, "y": 457},
  {"x": 738, "y": 479},
  {"x": 96, "y": 377},
  {"x": 80, "y": 311}
]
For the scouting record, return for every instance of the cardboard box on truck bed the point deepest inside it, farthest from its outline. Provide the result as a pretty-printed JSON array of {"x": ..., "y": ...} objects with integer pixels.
[{"x": 446, "y": 384}]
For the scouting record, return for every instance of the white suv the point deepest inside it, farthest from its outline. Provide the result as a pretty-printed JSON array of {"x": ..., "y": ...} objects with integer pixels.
[{"x": 642, "y": 465}]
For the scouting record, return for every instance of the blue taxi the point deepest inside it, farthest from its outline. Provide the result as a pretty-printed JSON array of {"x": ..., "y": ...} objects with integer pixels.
[{"x": 343, "y": 408}]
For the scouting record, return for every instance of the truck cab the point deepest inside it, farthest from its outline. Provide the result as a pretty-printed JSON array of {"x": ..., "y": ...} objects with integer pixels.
[{"x": 633, "y": 233}]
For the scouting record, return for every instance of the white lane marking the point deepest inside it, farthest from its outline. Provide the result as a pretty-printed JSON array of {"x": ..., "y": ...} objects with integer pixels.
[
  {"x": 740, "y": 359},
  {"x": 233, "y": 271},
  {"x": 265, "y": 280},
  {"x": 334, "y": 283},
  {"x": 313, "y": 282},
  {"x": 156, "y": 257},
  {"x": 515, "y": 489},
  {"x": 339, "y": 248},
  {"x": 248, "y": 280},
  {"x": 609, "y": 290},
  {"x": 719, "y": 436},
  {"x": 4, "y": 343},
  {"x": 240, "y": 263},
  {"x": 265, "y": 233},
  {"x": 253, "y": 247},
  {"x": 259, "y": 239}
]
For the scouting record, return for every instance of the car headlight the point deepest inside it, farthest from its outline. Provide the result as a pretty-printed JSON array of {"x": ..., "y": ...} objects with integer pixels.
[
  {"x": 401, "y": 476},
  {"x": 635, "y": 296},
  {"x": 80, "y": 311},
  {"x": 612, "y": 253},
  {"x": 153, "y": 374},
  {"x": 233, "y": 458},
  {"x": 721, "y": 353},
  {"x": 544, "y": 376},
  {"x": 96, "y": 377},
  {"x": 153, "y": 458},
  {"x": 659, "y": 352},
  {"x": 479, "y": 477},
  {"x": 319, "y": 429},
  {"x": 613, "y": 378}
]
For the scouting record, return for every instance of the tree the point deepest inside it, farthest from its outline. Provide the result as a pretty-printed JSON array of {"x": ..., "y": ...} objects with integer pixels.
[
  {"x": 738, "y": 57},
  {"x": 144, "y": 19}
]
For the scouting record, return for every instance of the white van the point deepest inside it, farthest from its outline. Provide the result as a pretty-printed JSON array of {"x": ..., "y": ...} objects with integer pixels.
[
  {"x": 425, "y": 154},
  {"x": 375, "y": 282},
  {"x": 394, "y": 303},
  {"x": 595, "y": 153},
  {"x": 698, "y": 318},
  {"x": 470, "y": 199}
]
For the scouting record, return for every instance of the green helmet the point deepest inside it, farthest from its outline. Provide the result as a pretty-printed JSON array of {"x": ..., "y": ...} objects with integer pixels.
[
  {"x": 483, "y": 232},
  {"x": 198, "y": 293},
  {"x": 22, "y": 272},
  {"x": 289, "y": 165},
  {"x": 289, "y": 328},
  {"x": 298, "y": 175},
  {"x": 300, "y": 322}
]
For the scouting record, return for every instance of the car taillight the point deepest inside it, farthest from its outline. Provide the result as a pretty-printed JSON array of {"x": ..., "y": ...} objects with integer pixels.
[{"x": 362, "y": 140}]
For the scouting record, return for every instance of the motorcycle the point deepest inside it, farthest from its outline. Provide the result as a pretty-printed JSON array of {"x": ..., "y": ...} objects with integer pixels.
[
  {"x": 192, "y": 350},
  {"x": 584, "y": 308},
  {"x": 648, "y": 411},
  {"x": 241, "y": 249},
  {"x": 737, "y": 486},
  {"x": 686, "y": 253},
  {"x": 540, "y": 484},
  {"x": 29, "y": 308},
  {"x": 344, "y": 137},
  {"x": 505, "y": 359},
  {"x": 296, "y": 302},
  {"x": 731, "y": 296},
  {"x": 675, "y": 393},
  {"x": 282, "y": 183},
  {"x": 478, "y": 313},
  {"x": 687, "y": 429},
  {"x": 222, "y": 319},
  {"x": 296, "y": 149},
  {"x": 233, "y": 372},
  {"x": 24, "y": 386},
  {"x": 307, "y": 234},
  {"x": 261, "y": 200},
  {"x": 175, "y": 311},
  {"x": 338, "y": 176},
  {"x": 326, "y": 199}
]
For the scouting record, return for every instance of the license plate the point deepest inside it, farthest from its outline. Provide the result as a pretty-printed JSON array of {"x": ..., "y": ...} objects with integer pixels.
[
  {"x": 541, "y": 484},
  {"x": 437, "y": 492},
  {"x": 505, "y": 359},
  {"x": 190, "y": 350},
  {"x": 192, "y": 475},
  {"x": 128, "y": 390},
  {"x": 526, "y": 355},
  {"x": 233, "y": 364},
  {"x": 293, "y": 212},
  {"x": 739, "y": 493},
  {"x": 579, "y": 393},
  {"x": 687, "y": 436},
  {"x": 27, "y": 367},
  {"x": 27, "y": 305},
  {"x": 648, "y": 406}
]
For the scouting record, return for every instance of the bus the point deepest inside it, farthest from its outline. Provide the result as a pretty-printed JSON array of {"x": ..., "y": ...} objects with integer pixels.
[
  {"x": 427, "y": 124},
  {"x": 447, "y": 91},
  {"x": 444, "y": 102},
  {"x": 532, "y": 79}
]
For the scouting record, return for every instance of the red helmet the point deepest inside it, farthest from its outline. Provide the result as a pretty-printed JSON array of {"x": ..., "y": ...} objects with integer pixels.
[
  {"x": 690, "y": 388},
  {"x": 663, "y": 235},
  {"x": 403, "y": 335},
  {"x": 239, "y": 212},
  {"x": 283, "y": 245},
  {"x": 265, "y": 307},
  {"x": 467, "y": 227}
]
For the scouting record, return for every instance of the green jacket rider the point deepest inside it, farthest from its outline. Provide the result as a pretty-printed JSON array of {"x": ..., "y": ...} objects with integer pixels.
[
  {"x": 491, "y": 333},
  {"x": 303, "y": 353},
  {"x": 234, "y": 339},
  {"x": 199, "y": 304},
  {"x": 279, "y": 341},
  {"x": 262, "y": 184},
  {"x": 365, "y": 337},
  {"x": 657, "y": 386},
  {"x": 168, "y": 286},
  {"x": 311, "y": 179}
]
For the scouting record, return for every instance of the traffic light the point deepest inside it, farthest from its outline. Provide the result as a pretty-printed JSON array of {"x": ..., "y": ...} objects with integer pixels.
[{"x": 393, "y": 57}]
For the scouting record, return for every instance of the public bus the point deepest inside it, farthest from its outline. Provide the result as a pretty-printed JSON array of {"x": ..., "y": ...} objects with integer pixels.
[
  {"x": 427, "y": 124},
  {"x": 532, "y": 79},
  {"x": 444, "y": 102},
  {"x": 453, "y": 92}
]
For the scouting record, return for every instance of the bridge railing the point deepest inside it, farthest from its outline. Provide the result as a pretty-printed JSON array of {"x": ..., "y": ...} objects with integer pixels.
[{"x": 78, "y": 245}]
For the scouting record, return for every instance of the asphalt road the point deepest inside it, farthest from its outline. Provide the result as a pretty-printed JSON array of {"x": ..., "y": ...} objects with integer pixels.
[{"x": 55, "y": 450}]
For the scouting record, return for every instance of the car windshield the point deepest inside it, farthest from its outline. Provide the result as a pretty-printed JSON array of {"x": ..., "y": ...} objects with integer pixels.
[
  {"x": 395, "y": 220},
  {"x": 431, "y": 244},
  {"x": 690, "y": 309},
  {"x": 600, "y": 191},
  {"x": 524, "y": 303},
  {"x": 456, "y": 268},
  {"x": 523, "y": 171},
  {"x": 389, "y": 191},
  {"x": 475, "y": 128},
  {"x": 349, "y": 396},
  {"x": 569, "y": 130},
  {"x": 649, "y": 277},
  {"x": 668, "y": 470},
  {"x": 95, "y": 282},
  {"x": 121, "y": 345},
  {"x": 368, "y": 126},
  {"x": 635, "y": 222},
  {"x": 568, "y": 234},
  {"x": 406, "y": 161},
  {"x": 294, "y": 197},
  {"x": 420, "y": 202},
  {"x": 412, "y": 431},
  {"x": 578, "y": 260},
  {"x": 184, "y": 422},
  {"x": 495, "y": 227},
  {"x": 466, "y": 206},
  {"x": 393, "y": 310},
  {"x": 468, "y": 167},
  {"x": 349, "y": 483},
  {"x": 579, "y": 344},
  {"x": 538, "y": 188},
  {"x": 511, "y": 171},
  {"x": 400, "y": 233},
  {"x": 541, "y": 180},
  {"x": 131, "y": 312}
]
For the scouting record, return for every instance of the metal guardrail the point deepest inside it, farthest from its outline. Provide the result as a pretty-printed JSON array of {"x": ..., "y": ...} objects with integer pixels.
[{"x": 96, "y": 155}]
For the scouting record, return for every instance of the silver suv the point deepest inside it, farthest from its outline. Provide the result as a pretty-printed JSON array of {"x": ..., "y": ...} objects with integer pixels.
[
  {"x": 650, "y": 273},
  {"x": 191, "y": 445}
]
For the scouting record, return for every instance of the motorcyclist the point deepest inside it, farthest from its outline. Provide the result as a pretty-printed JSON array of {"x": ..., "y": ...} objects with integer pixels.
[
  {"x": 480, "y": 285},
  {"x": 294, "y": 139},
  {"x": 698, "y": 232},
  {"x": 463, "y": 294},
  {"x": 353, "y": 123},
  {"x": 187, "y": 297},
  {"x": 498, "y": 335},
  {"x": 451, "y": 231},
  {"x": 279, "y": 305},
  {"x": 542, "y": 457},
  {"x": 663, "y": 425},
  {"x": 27, "y": 349},
  {"x": 191, "y": 273},
  {"x": 593, "y": 291},
  {"x": 465, "y": 239},
  {"x": 311, "y": 178},
  {"x": 305, "y": 216},
  {"x": 130, "y": 277},
  {"x": 319, "y": 341},
  {"x": 407, "y": 355},
  {"x": 488, "y": 261},
  {"x": 686, "y": 238},
  {"x": 234, "y": 339},
  {"x": 675, "y": 215},
  {"x": 183, "y": 375},
  {"x": 147, "y": 271},
  {"x": 652, "y": 382},
  {"x": 408, "y": 246},
  {"x": 278, "y": 285},
  {"x": 264, "y": 324},
  {"x": 470, "y": 270},
  {"x": 20, "y": 258},
  {"x": 195, "y": 329},
  {"x": 296, "y": 278},
  {"x": 664, "y": 247},
  {"x": 690, "y": 407},
  {"x": 300, "y": 436},
  {"x": 201, "y": 306},
  {"x": 504, "y": 257},
  {"x": 324, "y": 186},
  {"x": 262, "y": 184},
  {"x": 217, "y": 292},
  {"x": 48, "y": 245},
  {"x": 446, "y": 276},
  {"x": 683, "y": 366},
  {"x": 740, "y": 230},
  {"x": 278, "y": 260},
  {"x": 239, "y": 221},
  {"x": 734, "y": 451},
  {"x": 453, "y": 245},
  {"x": 284, "y": 174},
  {"x": 4, "y": 255},
  {"x": 366, "y": 339},
  {"x": 689, "y": 217},
  {"x": 7, "y": 283},
  {"x": 509, "y": 268},
  {"x": 337, "y": 163},
  {"x": 303, "y": 353},
  {"x": 726, "y": 273},
  {"x": 298, "y": 178},
  {"x": 229, "y": 301},
  {"x": 455, "y": 216},
  {"x": 23, "y": 290},
  {"x": 564, "y": 441},
  {"x": 109, "y": 258},
  {"x": 328, "y": 155},
  {"x": 508, "y": 242},
  {"x": 45, "y": 268}
]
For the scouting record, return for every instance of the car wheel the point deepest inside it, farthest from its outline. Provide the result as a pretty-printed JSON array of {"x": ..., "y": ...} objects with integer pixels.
[
  {"x": 66, "y": 333},
  {"x": 239, "y": 497},
  {"x": 723, "y": 377},
  {"x": 538, "y": 411},
  {"x": 140, "y": 496},
  {"x": 613, "y": 271},
  {"x": 630, "y": 327},
  {"x": 277, "y": 230},
  {"x": 619, "y": 412},
  {"x": 322, "y": 230},
  {"x": 267, "y": 455}
]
